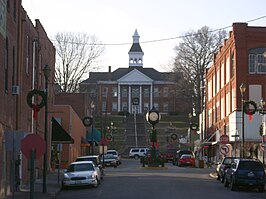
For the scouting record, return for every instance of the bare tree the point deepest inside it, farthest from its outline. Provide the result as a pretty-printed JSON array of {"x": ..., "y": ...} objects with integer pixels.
[
  {"x": 193, "y": 56},
  {"x": 76, "y": 55}
]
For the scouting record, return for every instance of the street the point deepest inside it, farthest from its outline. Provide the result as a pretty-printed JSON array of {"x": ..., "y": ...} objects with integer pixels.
[{"x": 130, "y": 180}]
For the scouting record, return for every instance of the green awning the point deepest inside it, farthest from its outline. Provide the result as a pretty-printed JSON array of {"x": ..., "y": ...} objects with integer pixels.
[
  {"x": 94, "y": 135},
  {"x": 59, "y": 134}
]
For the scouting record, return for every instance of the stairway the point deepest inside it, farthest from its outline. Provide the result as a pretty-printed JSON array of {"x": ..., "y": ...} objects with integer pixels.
[{"x": 135, "y": 135}]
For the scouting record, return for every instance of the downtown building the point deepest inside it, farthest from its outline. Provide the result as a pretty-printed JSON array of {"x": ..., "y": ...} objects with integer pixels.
[
  {"x": 241, "y": 60},
  {"x": 134, "y": 89}
]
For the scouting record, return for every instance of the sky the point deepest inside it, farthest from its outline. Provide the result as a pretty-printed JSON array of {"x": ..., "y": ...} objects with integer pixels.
[{"x": 115, "y": 21}]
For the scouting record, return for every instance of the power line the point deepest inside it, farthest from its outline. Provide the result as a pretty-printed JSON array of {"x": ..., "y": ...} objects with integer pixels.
[{"x": 163, "y": 39}]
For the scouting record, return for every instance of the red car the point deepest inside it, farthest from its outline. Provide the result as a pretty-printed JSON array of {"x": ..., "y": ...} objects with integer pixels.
[{"x": 186, "y": 160}]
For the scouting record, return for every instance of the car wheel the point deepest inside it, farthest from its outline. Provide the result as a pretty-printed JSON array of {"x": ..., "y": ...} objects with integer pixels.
[
  {"x": 218, "y": 177},
  {"x": 136, "y": 157},
  {"x": 97, "y": 184},
  {"x": 261, "y": 188},
  {"x": 222, "y": 179},
  {"x": 225, "y": 182},
  {"x": 233, "y": 185}
]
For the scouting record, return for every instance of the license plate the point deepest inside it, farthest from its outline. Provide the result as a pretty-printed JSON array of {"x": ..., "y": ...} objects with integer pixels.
[
  {"x": 251, "y": 174},
  {"x": 78, "y": 182}
]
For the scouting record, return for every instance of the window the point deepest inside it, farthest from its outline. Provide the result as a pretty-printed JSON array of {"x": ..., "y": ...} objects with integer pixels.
[
  {"x": 222, "y": 76},
  {"x": 156, "y": 92},
  {"x": 227, "y": 72},
  {"x": 218, "y": 81},
  {"x": 6, "y": 66},
  {"x": 104, "y": 91},
  {"x": 257, "y": 60},
  {"x": 124, "y": 92},
  {"x": 114, "y": 106},
  {"x": 104, "y": 106},
  {"x": 114, "y": 91},
  {"x": 124, "y": 106},
  {"x": 232, "y": 65},
  {"x": 135, "y": 92},
  {"x": 165, "y": 92},
  {"x": 146, "y": 92},
  {"x": 146, "y": 106},
  {"x": 156, "y": 106},
  {"x": 27, "y": 54},
  {"x": 165, "y": 107}
]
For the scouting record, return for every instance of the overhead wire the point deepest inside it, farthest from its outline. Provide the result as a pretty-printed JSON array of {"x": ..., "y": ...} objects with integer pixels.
[{"x": 164, "y": 39}]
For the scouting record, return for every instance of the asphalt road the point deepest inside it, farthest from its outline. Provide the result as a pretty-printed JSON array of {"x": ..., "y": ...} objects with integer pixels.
[{"x": 130, "y": 180}]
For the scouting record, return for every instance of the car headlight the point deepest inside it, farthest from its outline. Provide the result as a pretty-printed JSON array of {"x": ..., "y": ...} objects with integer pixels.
[
  {"x": 66, "y": 177},
  {"x": 93, "y": 176}
]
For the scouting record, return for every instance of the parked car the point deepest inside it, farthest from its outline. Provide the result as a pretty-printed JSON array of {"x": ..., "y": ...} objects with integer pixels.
[
  {"x": 180, "y": 153},
  {"x": 186, "y": 160},
  {"x": 169, "y": 154},
  {"x": 116, "y": 154},
  {"x": 109, "y": 160},
  {"x": 95, "y": 159},
  {"x": 222, "y": 166},
  {"x": 137, "y": 153},
  {"x": 245, "y": 172},
  {"x": 81, "y": 174}
]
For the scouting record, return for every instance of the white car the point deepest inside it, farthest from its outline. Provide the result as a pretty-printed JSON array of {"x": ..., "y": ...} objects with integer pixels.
[
  {"x": 81, "y": 174},
  {"x": 136, "y": 153},
  {"x": 115, "y": 153}
]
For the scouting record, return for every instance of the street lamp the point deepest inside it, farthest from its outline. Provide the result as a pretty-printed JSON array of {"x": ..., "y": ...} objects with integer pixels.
[
  {"x": 46, "y": 72},
  {"x": 92, "y": 127},
  {"x": 242, "y": 91}
]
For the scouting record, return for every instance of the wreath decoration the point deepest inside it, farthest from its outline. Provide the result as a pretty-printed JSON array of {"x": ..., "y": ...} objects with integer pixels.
[
  {"x": 36, "y": 107},
  {"x": 173, "y": 136},
  {"x": 109, "y": 137},
  {"x": 246, "y": 108}
]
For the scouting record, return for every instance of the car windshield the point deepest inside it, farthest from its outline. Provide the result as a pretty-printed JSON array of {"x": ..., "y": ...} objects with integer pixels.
[
  {"x": 228, "y": 161},
  {"x": 109, "y": 156},
  {"x": 186, "y": 156},
  {"x": 250, "y": 165},
  {"x": 80, "y": 167},
  {"x": 94, "y": 160},
  {"x": 111, "y": 152}
]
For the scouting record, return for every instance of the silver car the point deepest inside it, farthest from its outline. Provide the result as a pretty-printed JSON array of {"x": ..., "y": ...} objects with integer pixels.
[{"x": 81, "y": 174}]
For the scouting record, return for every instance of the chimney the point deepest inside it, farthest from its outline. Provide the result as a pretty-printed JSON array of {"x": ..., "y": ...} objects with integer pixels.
[{"x": 109, "y": 69}]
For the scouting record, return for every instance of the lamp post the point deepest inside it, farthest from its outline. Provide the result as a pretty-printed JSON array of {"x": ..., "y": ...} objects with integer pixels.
[
  {"x": 46, "y": 72},
  {"x": 92, "y": 127},
  {"x": 242, "y": 91}
]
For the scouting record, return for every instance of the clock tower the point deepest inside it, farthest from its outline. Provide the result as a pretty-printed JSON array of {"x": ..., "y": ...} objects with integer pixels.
[{"x": 135, "y": 53}]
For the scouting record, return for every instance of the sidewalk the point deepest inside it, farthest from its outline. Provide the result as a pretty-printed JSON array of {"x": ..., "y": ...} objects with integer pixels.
[{"x": 52, "y": 188}]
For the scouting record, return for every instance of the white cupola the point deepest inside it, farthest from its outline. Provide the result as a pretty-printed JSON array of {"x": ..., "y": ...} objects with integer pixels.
[{"x": 135, "y": 53}]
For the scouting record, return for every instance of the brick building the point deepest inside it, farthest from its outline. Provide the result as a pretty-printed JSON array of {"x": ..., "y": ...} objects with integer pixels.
[
  {"x": 26, "y": 50},
  {"x": 134, "y": 89},
  {"x": 240, "y": 60}
]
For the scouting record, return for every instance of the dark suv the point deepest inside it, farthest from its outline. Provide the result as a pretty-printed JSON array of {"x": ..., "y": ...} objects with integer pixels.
[
  {"x": 245, "y": 172},
  {"x": 221, "y": 167}
]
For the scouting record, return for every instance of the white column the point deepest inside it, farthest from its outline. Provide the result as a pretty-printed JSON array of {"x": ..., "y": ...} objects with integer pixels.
[
  {"x": 118, "y": 98},
  {"x": 140, "y": 98},
  {"x": 151, "y": 94},
  {"x": 129, "y": 98}
]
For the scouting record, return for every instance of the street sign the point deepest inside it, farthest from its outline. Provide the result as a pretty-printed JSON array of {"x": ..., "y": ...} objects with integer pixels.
[
  {"x": 224, "y": 139},
  {"x": 33, "y": 142},
  {"x": 224, "y": 149}
]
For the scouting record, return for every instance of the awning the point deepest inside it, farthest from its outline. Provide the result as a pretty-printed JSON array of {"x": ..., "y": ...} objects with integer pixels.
[
  {"x": 59, "y": 135},
  {"x": 94, "y": 135}
]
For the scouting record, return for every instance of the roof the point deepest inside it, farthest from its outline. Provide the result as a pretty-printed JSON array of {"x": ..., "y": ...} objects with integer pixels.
[
  {"x": 135, "y": 48},
  {"x": 120, "y": 72}
]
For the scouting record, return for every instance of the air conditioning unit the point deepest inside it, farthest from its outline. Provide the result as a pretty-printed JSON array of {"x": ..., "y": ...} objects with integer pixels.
[{"x": 15, "y": 90}]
